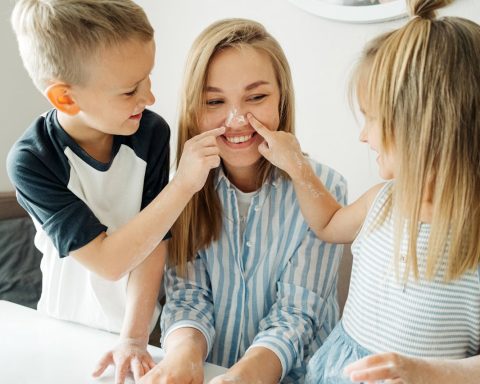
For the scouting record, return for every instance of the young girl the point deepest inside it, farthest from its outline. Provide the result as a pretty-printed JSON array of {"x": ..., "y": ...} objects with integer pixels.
[
  {"x": 413, "y": 311},
  {"x": 253, "y": 289}
]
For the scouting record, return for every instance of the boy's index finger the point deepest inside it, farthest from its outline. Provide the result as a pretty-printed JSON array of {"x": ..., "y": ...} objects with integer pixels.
[
  {"x": 259, "y": 127},
  {"x": 216, "y": 131},
  {"x": 212, "y": 132}
]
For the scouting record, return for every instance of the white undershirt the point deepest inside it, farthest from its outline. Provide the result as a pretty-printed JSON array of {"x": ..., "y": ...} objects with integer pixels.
[{"x": 244, "y": 199}]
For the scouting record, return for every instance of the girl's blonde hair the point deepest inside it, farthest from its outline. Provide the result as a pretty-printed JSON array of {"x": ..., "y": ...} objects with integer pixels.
[
  {"x": 57, "y": 39},
  {"x": 200, "y": 222},
  {"x": 423, "y": 85}
]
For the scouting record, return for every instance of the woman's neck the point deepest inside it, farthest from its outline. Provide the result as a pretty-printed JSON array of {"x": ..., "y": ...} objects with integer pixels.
[{"x": 244, "y": 178}]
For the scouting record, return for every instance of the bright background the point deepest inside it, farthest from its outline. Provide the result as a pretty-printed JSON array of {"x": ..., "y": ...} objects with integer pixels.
[{"x": 321, "y": 54}]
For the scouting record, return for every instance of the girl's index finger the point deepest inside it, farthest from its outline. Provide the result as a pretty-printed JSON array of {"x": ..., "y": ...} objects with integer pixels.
[{"x": 259, "y": 127}]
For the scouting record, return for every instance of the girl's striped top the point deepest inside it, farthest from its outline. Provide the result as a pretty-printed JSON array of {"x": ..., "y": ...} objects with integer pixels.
[{"x": 430, "y": 319}]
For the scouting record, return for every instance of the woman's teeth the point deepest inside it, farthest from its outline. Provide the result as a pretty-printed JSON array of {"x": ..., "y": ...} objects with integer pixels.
[{"x": 239, "y": 139}]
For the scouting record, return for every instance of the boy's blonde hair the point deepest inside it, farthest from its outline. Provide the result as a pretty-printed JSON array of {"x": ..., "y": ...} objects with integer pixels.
[
  {"x": 200, "y": 223},
  {"x": 423, "y": 86},
  {"x": 58, "y": 39}
]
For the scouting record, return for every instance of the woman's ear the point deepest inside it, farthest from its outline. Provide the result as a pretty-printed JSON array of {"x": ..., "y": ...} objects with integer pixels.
[{"x": 60, "y": 97}]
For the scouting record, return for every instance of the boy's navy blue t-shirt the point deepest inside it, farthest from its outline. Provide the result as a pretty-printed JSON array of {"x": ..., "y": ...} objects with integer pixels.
[{"x": 72, "y": 198}]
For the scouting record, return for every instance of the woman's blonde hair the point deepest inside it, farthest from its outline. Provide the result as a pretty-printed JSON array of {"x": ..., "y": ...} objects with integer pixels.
[
  {"x": 58, "y": 38},
  {"x": 423, "y": 85},
  {"x": 200, "y": 223}
]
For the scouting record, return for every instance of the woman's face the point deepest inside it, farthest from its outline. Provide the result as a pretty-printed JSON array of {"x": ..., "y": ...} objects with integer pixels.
[{"x": 240, "y": 81}]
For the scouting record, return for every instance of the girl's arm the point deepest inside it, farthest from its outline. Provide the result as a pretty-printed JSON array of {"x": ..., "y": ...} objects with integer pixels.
[
  {"x": 408, "y": 370},
  {"x": 328, "y": 219}
]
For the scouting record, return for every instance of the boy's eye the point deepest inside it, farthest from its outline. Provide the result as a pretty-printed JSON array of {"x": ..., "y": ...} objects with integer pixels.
[{"x": 131, "y": 93}]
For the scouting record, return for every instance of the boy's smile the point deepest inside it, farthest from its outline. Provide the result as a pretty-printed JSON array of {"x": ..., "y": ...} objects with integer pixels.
[{"x": 116, "y": 92}]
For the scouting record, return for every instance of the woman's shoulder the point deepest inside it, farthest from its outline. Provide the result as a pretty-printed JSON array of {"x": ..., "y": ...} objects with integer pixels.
[{"x": 333, "y": 180}]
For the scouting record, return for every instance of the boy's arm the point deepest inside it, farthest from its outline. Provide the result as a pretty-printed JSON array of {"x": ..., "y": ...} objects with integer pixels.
[
  {"x": 186, "y": 349},
  {"x": 328, "y": 219},
  {"x": 142, "y": 294},
  {"x": 112, "y": 256},
  {"x": 187, "y": 325}
]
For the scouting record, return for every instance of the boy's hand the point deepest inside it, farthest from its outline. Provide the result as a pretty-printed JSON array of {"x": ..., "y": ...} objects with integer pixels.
[
  {"x": 178, "y": 367},
  {"x": 280, "y": 148},
  {"x": 200, "y": 155},
  {"x": 127, "y": 356}
]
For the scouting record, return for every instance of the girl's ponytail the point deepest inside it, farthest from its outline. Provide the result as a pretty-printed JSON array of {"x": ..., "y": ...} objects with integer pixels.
[{"x": 426, "y": 9}]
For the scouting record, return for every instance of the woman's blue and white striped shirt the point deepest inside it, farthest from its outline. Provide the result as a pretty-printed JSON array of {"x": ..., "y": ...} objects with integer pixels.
[{"x": 275, "y": 289}]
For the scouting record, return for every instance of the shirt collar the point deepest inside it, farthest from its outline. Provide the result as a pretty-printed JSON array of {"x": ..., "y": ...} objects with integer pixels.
[{"x": 221, "y": 178}]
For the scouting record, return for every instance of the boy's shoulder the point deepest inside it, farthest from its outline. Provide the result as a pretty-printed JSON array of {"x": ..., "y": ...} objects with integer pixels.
[
  {"x": 152, "y": 139},
  {"x": 153, "y": 124},
  {"x": 38, "y": 150}
]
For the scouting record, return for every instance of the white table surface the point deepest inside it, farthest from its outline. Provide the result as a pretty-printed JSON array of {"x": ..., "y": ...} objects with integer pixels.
[{"x": 36, "y": 349}]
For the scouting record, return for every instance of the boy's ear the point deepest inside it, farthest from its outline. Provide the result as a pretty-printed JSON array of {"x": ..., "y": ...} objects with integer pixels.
[{"x": 60, "y": 96}]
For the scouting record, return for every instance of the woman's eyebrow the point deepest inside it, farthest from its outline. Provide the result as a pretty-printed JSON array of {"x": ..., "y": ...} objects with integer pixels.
[
  {"x": 249, "y": 87},
  {"x": 256, "y": 84}
]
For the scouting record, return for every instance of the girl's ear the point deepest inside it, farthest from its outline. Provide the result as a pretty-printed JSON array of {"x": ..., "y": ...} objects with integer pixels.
[{"x": 59, "y": 96}]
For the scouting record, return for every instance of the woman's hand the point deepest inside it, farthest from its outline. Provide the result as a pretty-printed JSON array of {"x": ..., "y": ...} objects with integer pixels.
[
  {"x": 390, "y": 368},
  {"x": 200, "y": 155},
  {"x": 178, "y": 367},
  {"x": 127, "y": 356},
  {"x": 281, "y": 148},
  {"x": 259, "y": 366}
]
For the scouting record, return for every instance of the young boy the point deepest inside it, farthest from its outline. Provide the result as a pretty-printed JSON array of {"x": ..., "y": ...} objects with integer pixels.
[{"x": 86, "y": 169}]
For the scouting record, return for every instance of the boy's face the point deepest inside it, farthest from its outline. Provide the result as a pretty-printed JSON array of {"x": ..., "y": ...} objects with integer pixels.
[{"x": 117, "y": 90}]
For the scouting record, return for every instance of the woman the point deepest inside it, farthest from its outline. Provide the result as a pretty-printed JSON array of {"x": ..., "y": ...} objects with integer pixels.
[{"x": 249, "y": 287}]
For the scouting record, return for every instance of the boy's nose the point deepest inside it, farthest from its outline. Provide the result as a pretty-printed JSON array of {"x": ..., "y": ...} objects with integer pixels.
[{"x": 150, "y": 98}]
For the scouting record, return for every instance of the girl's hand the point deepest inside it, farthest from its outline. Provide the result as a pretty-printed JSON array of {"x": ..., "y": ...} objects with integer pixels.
[
  {"x": 200, "y": 155},
  {"x": 127, "y": 356},
  {"x": 390, "y": 368},
  {"x": 280, "y": 148},
  {"x": 177, "y": 367}
]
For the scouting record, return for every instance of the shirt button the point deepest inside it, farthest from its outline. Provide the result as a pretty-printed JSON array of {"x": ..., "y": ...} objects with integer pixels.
[
  {"x": 257, "y": 208},
  {"x": 249, "y": 244}
]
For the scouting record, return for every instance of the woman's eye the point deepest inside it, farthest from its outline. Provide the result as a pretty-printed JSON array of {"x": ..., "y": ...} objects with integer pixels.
[{"x": 257, "y": 97}]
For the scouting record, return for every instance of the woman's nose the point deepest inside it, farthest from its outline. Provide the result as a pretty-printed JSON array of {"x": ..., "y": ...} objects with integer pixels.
[{"x": 235, "y": 120}]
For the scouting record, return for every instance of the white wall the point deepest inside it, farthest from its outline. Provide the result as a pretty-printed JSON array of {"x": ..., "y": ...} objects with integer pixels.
[
  {"x": 321, "y": 54},
  {"x": 20, "y": 102}
]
